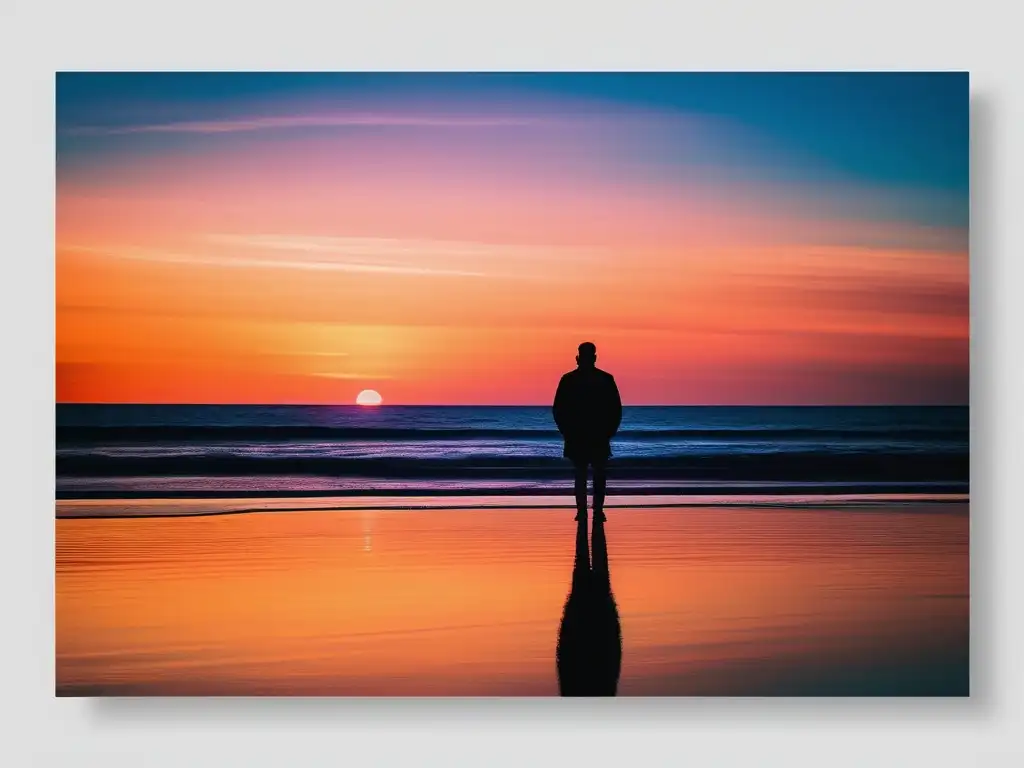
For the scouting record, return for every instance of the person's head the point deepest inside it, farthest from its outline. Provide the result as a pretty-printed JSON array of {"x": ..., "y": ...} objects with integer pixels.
[{"x": 587, "y": 355}]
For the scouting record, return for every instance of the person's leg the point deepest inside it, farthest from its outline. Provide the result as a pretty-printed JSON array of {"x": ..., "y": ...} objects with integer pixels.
[
  {"x": 600, "y": 480},
  {"x": 580, "y": 470}
]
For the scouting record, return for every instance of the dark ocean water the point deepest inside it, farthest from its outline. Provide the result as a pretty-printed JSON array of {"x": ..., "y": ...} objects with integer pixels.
[{"x": 210, "y": 450}]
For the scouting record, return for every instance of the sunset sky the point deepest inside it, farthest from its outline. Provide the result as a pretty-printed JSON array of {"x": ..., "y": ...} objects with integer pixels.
[{"x": 451, "y": 239}]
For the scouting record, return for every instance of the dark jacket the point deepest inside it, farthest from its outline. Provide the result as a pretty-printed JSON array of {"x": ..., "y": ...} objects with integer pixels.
[{"x": 588, "y": 411}]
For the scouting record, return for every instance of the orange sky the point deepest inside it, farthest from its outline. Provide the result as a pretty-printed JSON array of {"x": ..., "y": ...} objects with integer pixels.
[{"x": 250, "y": 262}]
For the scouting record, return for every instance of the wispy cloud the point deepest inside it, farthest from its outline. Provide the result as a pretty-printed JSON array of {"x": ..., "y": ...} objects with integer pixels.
[
  {"x": 285, "y": 122},
  {"x": 367, "y": 255},
  {"x": 390, "y": 248},
  {"x": 358, "y": 376},
  {"x": 250, "y": 261}
]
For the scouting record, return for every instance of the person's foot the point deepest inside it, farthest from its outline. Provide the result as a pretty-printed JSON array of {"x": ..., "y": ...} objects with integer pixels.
[{"x": 599, "y": 516}]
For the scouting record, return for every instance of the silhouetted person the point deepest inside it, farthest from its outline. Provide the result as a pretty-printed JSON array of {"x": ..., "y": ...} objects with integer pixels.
[
  {"x": 588, "y": 411},
  {"x": 588, "y": 656}
]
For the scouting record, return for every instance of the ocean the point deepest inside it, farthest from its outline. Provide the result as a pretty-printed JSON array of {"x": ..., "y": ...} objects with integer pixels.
[{"x": 212, "y": 451}]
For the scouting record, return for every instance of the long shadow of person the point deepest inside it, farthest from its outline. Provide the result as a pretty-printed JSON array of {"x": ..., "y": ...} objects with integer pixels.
[{"x": 589, "y": 651}]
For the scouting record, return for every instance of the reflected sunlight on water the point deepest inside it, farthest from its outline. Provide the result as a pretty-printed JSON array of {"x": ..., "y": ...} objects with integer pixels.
[{"x": 468, "y": 602}]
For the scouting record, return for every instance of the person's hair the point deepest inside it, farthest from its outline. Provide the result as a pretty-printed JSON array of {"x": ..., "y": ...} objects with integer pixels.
[{"x": 588, "y": 350}]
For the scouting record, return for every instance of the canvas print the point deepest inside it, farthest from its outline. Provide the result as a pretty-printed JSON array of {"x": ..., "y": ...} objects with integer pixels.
[{"x": 512, "y": 384}]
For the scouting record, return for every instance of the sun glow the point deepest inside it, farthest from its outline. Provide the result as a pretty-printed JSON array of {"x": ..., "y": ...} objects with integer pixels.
[{"x": 368, "y": 397}]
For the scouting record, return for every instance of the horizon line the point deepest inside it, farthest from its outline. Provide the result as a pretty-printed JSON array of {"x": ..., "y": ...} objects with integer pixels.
[{"x": 517, "y": 405}]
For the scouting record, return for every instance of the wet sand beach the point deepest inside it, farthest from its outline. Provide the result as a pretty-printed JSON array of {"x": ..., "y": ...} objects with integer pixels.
[{"x": 711, "y": 600}]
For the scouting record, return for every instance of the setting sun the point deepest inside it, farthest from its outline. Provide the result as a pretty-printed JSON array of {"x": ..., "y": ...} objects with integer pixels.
[{"x": 368, "y": 397}]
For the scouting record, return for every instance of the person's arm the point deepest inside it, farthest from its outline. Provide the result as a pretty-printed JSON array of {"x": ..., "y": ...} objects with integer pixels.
[
  {"x": 558, "y": 407},
  {"x": 616, "y": 410}
]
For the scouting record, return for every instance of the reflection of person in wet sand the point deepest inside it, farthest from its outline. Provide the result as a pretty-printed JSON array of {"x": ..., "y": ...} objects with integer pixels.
[
  {"x": 588, "y": 411},
  {"x": 589, "y": 652}
]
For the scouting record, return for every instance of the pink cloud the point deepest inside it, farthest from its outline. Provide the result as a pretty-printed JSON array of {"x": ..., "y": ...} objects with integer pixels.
[{"x": 235, "y": 125}]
